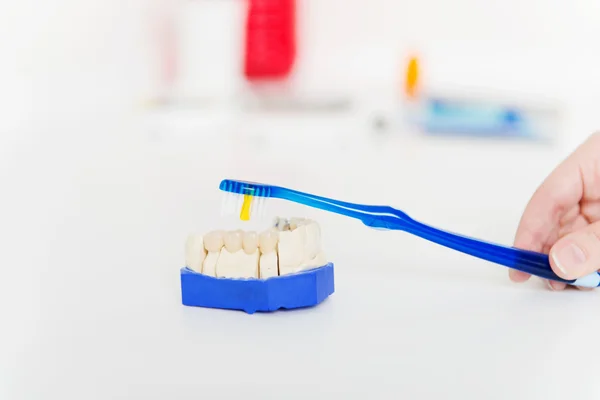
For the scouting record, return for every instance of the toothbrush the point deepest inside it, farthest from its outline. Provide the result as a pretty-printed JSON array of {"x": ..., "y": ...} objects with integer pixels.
[{"x": 389, "y": 218}]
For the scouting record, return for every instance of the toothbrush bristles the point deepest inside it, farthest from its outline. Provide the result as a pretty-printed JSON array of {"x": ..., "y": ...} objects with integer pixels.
[
  {"x": 262, "y": 206},
  {"x": 254, "y": 207},
  {"x": 240, "y": 202},
  {"x": 231, "y": 204},
  {"x": 228, "y": 204}
]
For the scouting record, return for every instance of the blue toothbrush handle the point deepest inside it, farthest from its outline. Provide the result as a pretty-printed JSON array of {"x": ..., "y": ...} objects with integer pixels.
[
  {"x": 386, "y": 217},
  {"x": 534, "y": 263}
]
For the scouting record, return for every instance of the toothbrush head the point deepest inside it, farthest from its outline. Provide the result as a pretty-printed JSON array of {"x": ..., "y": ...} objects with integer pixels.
[
  {"x": 245, "y": 188},
  {"x": 239, "y": 198}
]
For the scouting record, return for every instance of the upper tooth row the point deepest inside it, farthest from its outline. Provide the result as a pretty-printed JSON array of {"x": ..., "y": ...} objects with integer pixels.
[
  {"x": 284, "y": 224},
  {"x": 236, "y": 240}
]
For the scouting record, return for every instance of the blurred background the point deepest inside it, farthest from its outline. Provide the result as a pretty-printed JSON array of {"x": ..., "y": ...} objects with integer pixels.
[
  {"x": 118, "y": 111},
  {"x": 462, "y": 94},
  {"x": 119, "y": 118},
  {"x": 120, "y": 56}
]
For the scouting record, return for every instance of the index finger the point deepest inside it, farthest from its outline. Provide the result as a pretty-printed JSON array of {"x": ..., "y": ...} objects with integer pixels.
[{"x": 558, "y": 194}]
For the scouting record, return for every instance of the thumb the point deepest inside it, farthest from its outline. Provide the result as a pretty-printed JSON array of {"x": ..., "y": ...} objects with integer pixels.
[{"x": 578, "y": 253}]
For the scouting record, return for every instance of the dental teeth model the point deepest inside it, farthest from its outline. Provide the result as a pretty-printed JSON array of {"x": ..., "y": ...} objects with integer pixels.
[
  {"x": 281, "y": 267},
  {"x": 288, "y": 247}
]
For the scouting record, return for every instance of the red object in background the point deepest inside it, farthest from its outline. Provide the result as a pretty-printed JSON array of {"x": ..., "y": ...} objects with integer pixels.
[{"x": 270, "y": 49}]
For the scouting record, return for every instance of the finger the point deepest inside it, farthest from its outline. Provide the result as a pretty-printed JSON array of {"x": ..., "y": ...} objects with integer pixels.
[
  {"x": 560, "y": 192},
  {"x": 556, "y": 196},
  {"x": 554, "y": 285},
  {"x": 573, "y": 226},
  {"x": 591, "y": 210},
  {"x": 518, "y": 276},
  {"x": 575, "y": 178},
  {"x": 578, "y": 253}
]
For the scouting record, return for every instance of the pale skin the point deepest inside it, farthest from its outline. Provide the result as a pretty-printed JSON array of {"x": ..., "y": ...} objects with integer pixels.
[{"x": 562, "y": 218}]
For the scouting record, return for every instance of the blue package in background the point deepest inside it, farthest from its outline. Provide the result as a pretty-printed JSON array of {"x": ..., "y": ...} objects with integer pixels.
[{"x": 442, "y": 116}]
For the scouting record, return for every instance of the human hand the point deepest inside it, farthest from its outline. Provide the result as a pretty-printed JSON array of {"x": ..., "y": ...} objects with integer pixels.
[{"x": 562, "y": 218}]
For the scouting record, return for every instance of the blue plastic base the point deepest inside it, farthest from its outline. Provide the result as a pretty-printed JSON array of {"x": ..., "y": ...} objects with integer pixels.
[{"x": 303, "y": 289}]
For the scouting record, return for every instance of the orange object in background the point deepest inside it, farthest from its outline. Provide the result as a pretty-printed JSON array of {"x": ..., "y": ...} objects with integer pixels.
[
  {"x": 411, "y": 83},
  {"x": 270, "y": 43}
]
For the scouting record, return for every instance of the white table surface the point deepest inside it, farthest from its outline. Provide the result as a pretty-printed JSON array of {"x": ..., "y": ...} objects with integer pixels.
[{"x": 93, "y": 236}]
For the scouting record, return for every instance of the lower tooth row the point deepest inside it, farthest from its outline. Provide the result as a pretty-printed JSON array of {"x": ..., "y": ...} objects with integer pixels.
[{"x": 239, "y": 254}]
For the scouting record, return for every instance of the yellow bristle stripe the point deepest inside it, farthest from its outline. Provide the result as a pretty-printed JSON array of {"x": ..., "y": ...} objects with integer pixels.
[{"x": 245, "y": 213}]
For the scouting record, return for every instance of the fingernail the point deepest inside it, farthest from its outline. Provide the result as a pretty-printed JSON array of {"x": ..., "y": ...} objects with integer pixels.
[
  {"x": 570, "y": 260},
  {"x": 549, "y": 285}
]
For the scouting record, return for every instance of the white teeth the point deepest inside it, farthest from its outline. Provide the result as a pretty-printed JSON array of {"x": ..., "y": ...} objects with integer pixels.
[
  {"x": 233, "y": 241},
  {"x": 317, "y": 261},
  {"x": 238, "y": 264},
  {"x": 282, "y": 224},
  {"x": 268, "y": 265},
  {"x": 269, "y": 260},
  {"x": 313, "y": 240},
  {"x": 291, "y": 250},
  {"x": 213, "y": 241},
  {"x": 250, "y": 242},
  {"x": 295, "y": 223},
  {"x": 194, "y": 252},
  {"x": 268, "y": 240},
  {"x": 209, "y": 267},
  {"x": 285, "y": 248}
]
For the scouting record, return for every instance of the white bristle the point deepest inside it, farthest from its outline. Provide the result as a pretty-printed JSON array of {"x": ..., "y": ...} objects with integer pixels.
[
  {"x": 228, "y": 204},
  {"x": 231, "y": 204},
  {"x": 259, "y": 203},
  {"x": 224, "y": 204},
  {"x": 262, "y": 206},
  {"x": 254, "y": 207},
  {"x": 257, "y": 211},
  {"x": 223, "y": 210},
  {"x": 239, "y": 202}
]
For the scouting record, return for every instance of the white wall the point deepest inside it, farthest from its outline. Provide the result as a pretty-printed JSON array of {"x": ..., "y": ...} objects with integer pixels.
[
  {"x": 533, "y": 48},
  {"x": 463, "y": 37},
  {"x": 361, "y": 41},
  {"x": 86, "y": 54},
  {"x": 66, "y": 60}
]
